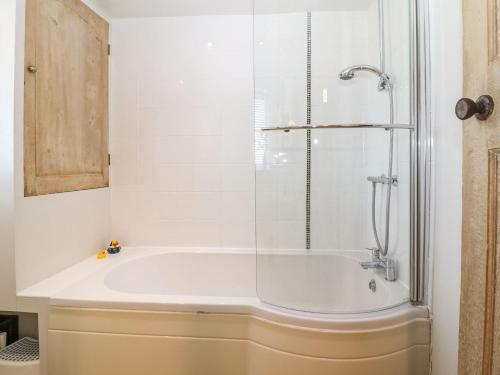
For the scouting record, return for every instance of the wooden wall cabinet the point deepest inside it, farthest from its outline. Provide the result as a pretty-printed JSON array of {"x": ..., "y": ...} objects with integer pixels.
[{"x": 66, "y": 98}]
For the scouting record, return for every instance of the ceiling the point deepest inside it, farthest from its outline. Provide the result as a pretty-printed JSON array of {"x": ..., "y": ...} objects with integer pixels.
[{"x": 169, "y": 8}]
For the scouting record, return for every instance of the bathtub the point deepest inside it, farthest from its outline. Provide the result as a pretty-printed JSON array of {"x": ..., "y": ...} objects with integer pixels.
[
  {"x": 284, "y": 279},
  {"x": 196, "y": 311}
]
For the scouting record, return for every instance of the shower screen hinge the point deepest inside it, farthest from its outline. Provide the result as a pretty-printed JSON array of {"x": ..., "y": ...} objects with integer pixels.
[
  {"x": 109, "y": 49},
  {"x": 109, "y": 159}
]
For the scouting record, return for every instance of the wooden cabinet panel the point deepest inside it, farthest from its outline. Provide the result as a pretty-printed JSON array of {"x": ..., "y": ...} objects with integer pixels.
[
  {"x": 66, "y": 98},
  {"x": 479, "y": 352}
]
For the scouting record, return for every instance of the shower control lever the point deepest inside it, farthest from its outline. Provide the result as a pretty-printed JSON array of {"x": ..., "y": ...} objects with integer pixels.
[{"x": 375, "y": 252}]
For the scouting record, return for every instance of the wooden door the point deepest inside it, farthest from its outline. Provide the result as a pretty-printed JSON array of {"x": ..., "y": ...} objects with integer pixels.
[
  {"x": 66, "y": 98},
  {"x": 480, "y": 294}
]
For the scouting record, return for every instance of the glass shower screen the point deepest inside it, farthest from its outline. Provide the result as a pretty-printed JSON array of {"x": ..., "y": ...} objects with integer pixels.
[{"x": 332, "y": 153}]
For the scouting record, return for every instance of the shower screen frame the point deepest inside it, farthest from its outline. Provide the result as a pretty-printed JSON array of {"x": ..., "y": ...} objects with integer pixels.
[{"x": 420, "y": 152}]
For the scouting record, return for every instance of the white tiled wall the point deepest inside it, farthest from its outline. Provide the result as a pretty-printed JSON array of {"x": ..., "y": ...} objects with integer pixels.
[{"x": 181, "y": 131}]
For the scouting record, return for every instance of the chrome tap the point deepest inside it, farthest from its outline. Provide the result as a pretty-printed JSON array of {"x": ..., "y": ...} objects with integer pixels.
[{"x": 387, "y": 264}]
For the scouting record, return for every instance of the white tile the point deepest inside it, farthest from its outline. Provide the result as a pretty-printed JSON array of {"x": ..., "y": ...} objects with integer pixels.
[
  {"x": 266, "y": 206},
  {"x": 167, "y": 177},
  {"x": 237, "y": 120},
  {"x": 237, "y": 177},
  {"x": 154, "y": 121},
  {"x": 207, "y": 149},
  {"x": 174, "y": 149},
  {"x": 207, "y": 121},
  {"x": 187, "y": 206},
  {"x": 123, "y": 95},
  {"x": 291, "y": 234},
  {"x": 182, "y": 233},
  {"x": 235, "y": 206},
  {"x": 208, "y": 177},
  {"x": 124, "y": 169},
  {"x": 236, "y": 234},
  {"x": 236, "y": 149}
]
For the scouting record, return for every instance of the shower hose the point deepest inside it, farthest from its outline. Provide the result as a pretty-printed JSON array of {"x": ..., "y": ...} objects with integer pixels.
[{"x": 384, "y": 249}]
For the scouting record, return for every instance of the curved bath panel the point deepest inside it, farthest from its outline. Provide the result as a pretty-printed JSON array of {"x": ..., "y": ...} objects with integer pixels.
[{"x": 190, "y": 343}]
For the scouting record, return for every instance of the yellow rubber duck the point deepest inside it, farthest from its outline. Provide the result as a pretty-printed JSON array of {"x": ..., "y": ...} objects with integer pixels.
[{"x": 101, "y": 254}]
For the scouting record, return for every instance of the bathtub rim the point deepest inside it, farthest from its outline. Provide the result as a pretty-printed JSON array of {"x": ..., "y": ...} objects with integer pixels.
[{"x": 59, "y": 289}]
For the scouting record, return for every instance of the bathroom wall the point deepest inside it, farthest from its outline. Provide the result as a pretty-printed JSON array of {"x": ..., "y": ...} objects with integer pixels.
[
  {"x": 446, "y": 63},
  {"x": 181, "y": 121},
  {"x": 54, "y": 231},
  {"x": 181, "y": 131},
  {"x": 182, "y": 139},
  {"x": 7, "y": 63}
]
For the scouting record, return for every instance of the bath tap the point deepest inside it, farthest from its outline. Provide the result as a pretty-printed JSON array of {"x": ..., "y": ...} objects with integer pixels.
[{"x": 377, "y": 262}]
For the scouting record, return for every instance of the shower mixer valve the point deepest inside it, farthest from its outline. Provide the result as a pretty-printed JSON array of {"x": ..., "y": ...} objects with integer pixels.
[{"x": 384, "y": 180}]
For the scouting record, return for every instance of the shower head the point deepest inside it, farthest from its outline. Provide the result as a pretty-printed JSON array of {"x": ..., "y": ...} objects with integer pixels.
[{"x": 348, "y": 74}]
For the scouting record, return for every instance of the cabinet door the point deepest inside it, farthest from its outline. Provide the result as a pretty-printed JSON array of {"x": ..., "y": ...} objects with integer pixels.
[{"x": 66, "y": 98}]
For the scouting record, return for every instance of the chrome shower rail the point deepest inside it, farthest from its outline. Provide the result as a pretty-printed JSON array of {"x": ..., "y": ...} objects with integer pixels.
[{"x": 340, "y": 126}]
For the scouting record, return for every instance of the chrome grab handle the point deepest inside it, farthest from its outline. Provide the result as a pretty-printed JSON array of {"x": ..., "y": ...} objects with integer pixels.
[{"x": 340, "y": 126}]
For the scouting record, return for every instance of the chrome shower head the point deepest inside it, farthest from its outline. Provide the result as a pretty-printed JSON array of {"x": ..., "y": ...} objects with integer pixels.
[{"x": 348, "y": 74}]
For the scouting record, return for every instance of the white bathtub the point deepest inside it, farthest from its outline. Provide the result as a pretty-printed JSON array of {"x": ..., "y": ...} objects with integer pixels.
[
  {"x": 316, "y": 282},
  {"x": 176, "y": 300}
]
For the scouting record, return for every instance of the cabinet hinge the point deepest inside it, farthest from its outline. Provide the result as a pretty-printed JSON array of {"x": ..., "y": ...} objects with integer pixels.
[
  {"x": 109, "y": 49},
  {"x": 109, "y": 159}
]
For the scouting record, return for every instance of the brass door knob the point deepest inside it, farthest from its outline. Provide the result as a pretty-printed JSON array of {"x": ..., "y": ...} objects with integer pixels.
[
  {"x": 482, "y": 108},
  {"x": 32, "y": 69}
]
